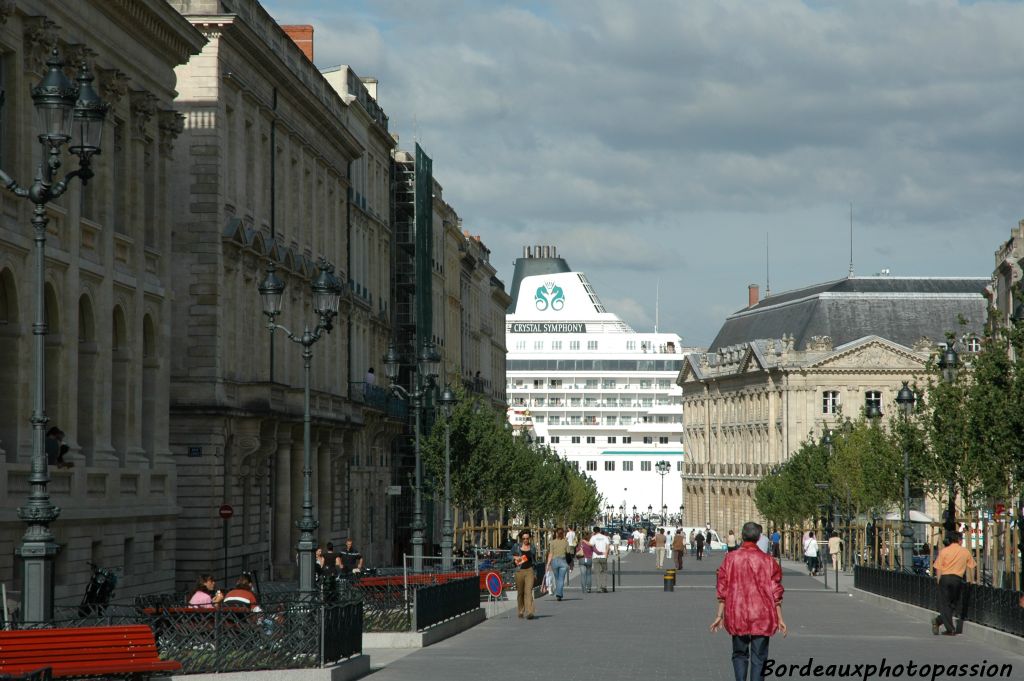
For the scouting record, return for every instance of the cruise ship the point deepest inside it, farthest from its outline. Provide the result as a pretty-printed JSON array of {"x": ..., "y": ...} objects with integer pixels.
[{"x": 583, "y": 382}]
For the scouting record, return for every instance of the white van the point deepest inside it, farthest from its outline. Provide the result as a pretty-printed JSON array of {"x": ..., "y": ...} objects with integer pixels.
[{"x": 716, "y": 543}]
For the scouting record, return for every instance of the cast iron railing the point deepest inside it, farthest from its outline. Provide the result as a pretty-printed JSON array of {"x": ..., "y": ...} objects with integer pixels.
[
  {"x": 435, "y": 604},
  {"x": 985, "y": 605},
  {"x": 287, "y": 631}
]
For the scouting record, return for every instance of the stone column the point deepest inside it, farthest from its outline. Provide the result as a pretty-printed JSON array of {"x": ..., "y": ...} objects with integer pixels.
[{"x": 281, "y": 512}]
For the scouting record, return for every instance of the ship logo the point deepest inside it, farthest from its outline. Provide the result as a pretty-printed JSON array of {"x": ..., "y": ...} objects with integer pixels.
[{"x": 549, "y": 296}]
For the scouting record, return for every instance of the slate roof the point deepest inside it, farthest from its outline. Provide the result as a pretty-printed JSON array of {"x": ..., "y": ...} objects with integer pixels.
[{"x": 900, "y": 309}]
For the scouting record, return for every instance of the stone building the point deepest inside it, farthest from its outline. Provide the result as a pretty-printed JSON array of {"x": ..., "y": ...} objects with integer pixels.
[
  {"x": 268, "y": 178},
  {"x": 790, "y": 366},
  {"x": 1004, "y": 292},
  {"x": 107, "y": 293}
]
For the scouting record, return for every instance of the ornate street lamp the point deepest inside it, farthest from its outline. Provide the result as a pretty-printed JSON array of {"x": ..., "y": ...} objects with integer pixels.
[
  {"x": 326, "y": 290},
  {"x": 663, "y": 468},
  {"x": 58, "y": 103},
  {"x": 949, "y": 363},
  {"x": 447, "y": 402},
  {"x": 905, "y": 399},
  {"x": 426, "y": 372}
]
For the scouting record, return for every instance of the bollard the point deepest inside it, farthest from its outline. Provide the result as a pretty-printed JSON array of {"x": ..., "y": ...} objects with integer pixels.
[
  {"x": 671, "y": 572},
  {"x": 669, "y": 582}
]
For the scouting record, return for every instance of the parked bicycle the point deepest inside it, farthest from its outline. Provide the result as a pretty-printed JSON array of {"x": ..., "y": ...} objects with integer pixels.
[{"x": 98, "y": 591}]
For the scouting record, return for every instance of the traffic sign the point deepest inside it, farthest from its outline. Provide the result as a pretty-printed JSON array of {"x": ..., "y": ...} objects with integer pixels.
[
  {"x": 226, "y": 511},
  {"x": 493, "y": 582}
]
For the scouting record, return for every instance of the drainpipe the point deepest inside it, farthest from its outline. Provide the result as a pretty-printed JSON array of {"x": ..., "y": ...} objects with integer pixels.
[{"x": 273, "y": 199}]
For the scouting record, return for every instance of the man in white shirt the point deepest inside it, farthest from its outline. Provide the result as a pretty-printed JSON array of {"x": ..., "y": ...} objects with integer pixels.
[
  {"x": 636, "y": 540},
  {"x": 601, "y": 544},
  {"x": 617, "y": 541}
]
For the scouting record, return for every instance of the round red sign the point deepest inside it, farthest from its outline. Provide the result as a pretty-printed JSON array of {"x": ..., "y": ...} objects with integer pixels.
[{"x": 226, "y": 511}]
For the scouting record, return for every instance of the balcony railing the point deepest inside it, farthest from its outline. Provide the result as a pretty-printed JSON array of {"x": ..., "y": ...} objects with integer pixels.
[{"x": 379, "y": 398}]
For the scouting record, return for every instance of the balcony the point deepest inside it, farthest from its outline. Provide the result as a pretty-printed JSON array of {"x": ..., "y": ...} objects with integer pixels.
[{"x": 378, "y": 398}]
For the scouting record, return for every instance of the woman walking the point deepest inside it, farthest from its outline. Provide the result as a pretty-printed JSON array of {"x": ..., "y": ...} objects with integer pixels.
[
  {"x": 556, "y": 561},
  {"x": 524, "y": 555}
]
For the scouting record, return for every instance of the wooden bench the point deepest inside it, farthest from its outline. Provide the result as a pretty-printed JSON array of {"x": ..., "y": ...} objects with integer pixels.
[{"x": 85, "y": 651}]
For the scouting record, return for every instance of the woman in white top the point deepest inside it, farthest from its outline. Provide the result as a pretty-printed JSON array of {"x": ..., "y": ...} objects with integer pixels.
[{"x": 811, "y": 554}]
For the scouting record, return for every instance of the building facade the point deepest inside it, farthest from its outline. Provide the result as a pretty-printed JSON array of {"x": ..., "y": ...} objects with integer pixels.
[
  {"x": 1004, "y": 292},
  {"x": 272, "y": 145},
  {"x": 791, "y": 366},
  {"x": 107, "y": 293}
]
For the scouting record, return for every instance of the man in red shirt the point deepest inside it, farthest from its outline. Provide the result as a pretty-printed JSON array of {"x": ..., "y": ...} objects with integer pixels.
[{"x": 749, "y": 603}]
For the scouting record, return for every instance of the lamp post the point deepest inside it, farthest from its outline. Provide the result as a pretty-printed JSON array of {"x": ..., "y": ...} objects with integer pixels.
[
  {"x": 73, "y": 113},
  {"x": 905, "y": 399},
  {"x": 447, "y": 401},
  {"x": 663, "y": 468},
  {"x": 427, "y": 369},
  {"x": 949, "y": 362},
  {"x": 326, "y": 297},
  {"x": 650, "y": 512},
  {"x": 634, "y": 513}
]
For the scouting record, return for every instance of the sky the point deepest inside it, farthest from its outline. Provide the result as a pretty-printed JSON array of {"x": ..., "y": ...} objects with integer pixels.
[{"x": 705, "y": 145}]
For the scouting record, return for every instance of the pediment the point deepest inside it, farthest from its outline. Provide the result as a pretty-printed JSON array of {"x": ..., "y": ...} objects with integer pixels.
[{"x": 876, "y": 354}]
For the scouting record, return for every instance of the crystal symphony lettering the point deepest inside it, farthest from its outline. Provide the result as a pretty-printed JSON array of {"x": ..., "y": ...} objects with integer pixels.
[{"x": 549, "y": 327}]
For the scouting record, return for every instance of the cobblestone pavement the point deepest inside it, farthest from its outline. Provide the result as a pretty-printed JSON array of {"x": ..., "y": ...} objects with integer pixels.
[{"x": 643, "y": 632}]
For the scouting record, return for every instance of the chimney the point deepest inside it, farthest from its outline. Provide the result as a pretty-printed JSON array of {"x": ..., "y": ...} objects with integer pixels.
[
  {"x": 301, "y": 35},
  {"x": 753, "y": 295}
]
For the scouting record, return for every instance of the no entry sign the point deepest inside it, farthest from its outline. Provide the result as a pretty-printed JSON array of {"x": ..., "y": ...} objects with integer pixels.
[{"x": 226, "y": 511}]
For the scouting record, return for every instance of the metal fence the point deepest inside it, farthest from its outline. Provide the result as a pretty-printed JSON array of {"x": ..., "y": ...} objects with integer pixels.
[
  {"x": 441, "y": 602},
  {"x": 986, "y": 605},
  {"x": 290, "y": 631}
]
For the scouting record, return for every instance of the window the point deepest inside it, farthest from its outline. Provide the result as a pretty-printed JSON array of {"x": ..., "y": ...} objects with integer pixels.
[
  {"x": 538, "y": 345},
  {"x": 575, "y": 439},
  {"x": 679, "y": 465},
  {"x": 538, "y": 402},
  {"x": 592, "y": 345},
  {"x": 576, "y": 465},
  {"x": 556, "y": 345},
  {"x": 631, "y": 345},
  {"x": 555, "y": 439},
  {"x": 591, "y": 383},
  {"x": 540, "y": 439},
  {"x": 555, "y": 419},
  {"x": 873, "y": 398},
  {"x": 591, "y": 465},
  {"x": 574, "y": 345},
  {"x": 555, "y": 383},
  {"x": 609, "y": 465},
  {"x": 662, "y": 439},
  {"x": 520, "y": 345},
  {"x": 627, "y": 439},
  {"x": 627, "y": 466},
  {"x": 591, "y": 439},
  {"x": 612, "y": 439},
  {"x": 664, "y": 384},
  {"x": 538, "y": 383},
  {"x": 830, "y": 402},
  {"x": 973, "y": 344},
  {"x": 129, "y": 555},
  {"x": 538, "y": 419},
  {"x": 575, "y": 401},
  {"x": 609, "y": 383},
  {"x": 645, "y": 384},
  {"x": 645, "y": 466},
  {"x": 648, "y": 439}
]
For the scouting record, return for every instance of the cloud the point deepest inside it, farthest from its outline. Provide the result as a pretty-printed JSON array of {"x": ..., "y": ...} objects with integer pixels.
[{"x": 661, "y": 140}]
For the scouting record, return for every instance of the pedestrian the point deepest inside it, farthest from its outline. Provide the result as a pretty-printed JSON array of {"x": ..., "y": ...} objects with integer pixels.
[
  {"x": 693, "y": 542},
  {"x": 617, "y": 541},
  {"x": 679, "y": 548},
  {"x": 571, "y": 539},
  {"x": 730, "y": 541},
  {"x": 585, "y": 558},
  {"x": 557, "y": 563},
  {"x": 950, "y": 570},
  {"x": 351, "y": 560},
  {"x": 811, "y": 554},
  {"x": 602, "y": 544},
  {"x": 776, "y": 543},
  {"x": 835, "y": 550},
  {"x": 707, "y": 538},
  {"x": 524, "y": 555},
  {"x": 699, "y": 541},
  {"x": 659, "y": 548},
  {"x": 636, "y": 539},
  {"x": 749, "y": 592}
]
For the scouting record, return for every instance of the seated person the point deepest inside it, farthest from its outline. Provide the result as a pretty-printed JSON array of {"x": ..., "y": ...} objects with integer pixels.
[
  {"x": 242, "y": 594},
  {"x": 205, "y": 594}
]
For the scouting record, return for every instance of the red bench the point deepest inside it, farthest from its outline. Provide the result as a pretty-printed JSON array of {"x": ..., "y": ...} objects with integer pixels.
[{"x": 86, "y": 651}]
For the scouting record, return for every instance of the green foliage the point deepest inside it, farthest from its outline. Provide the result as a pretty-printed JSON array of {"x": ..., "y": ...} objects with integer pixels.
[{"x": 492, "y": 468}]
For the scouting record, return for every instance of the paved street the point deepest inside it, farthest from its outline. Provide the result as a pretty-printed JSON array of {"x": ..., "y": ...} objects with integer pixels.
[{"x": 645, "y": 633}]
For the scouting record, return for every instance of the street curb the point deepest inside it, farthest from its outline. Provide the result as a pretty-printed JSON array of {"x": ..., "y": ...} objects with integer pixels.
[
  {"x": 422, "y": 639},
  {"x": 973, "y": 631},
  {"x": 353, "y": 668}
]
